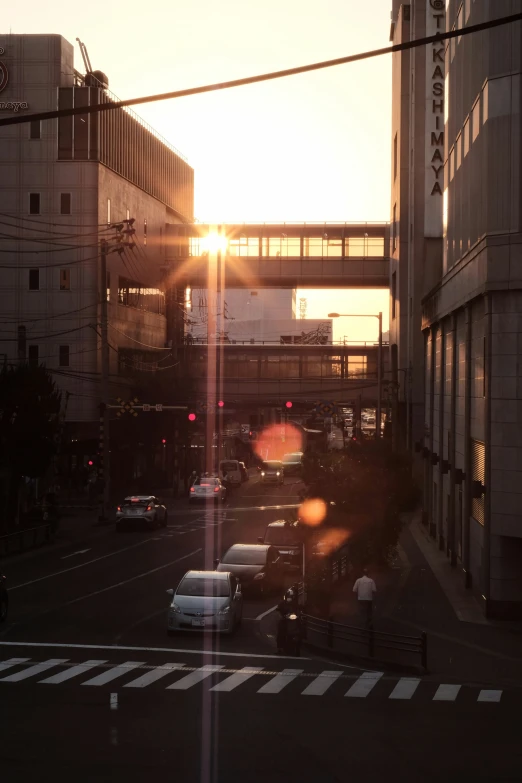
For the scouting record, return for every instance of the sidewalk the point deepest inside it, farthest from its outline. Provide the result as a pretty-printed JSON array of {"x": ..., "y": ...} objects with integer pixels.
[{"x": 422, "y": 592}]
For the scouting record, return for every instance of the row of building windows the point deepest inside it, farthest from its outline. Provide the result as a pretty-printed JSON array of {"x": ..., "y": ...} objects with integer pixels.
[
  {"x": 35, "y": 204},
  {"x": 286, "y": 366},
  {"x": 34, "y": 279},
  {"x": 134, "y": 294},
  {"x": 34, "y": 357},
  {"x": 295, "y": 247}
]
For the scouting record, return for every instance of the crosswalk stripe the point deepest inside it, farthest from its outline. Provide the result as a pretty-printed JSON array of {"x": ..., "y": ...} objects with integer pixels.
[
  {"x": 38, "y": 668},
  {"x": 116, "y": 671},
  {"x": 12, "y": 662},
  {"x": 192, "y": 679},
  {"x": 321, "y": 683},
  {"x": 277, "y": 683},
  {"x": 237, "y": 679},
  {"x": 71, "y": 672},
  {"x": 364, "y": 684},
  {"x": 405, "y": 688},
  {"x": 447, "y": 692},
  {"x": 154, "y": 675},
  {"x": 489, "y": 695}
]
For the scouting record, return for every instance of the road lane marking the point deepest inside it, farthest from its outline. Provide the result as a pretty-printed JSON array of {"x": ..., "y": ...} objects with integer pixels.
[
  {"x": 405, "y": 688},
  {"x": 447, "y": 692},
  {"x": 114, "y": 701},
  {"x": 364, "y": 684},
  {"x": 154, "y": 675},
  {"x": 489, "y": 695},
  {"x": 237, "y": 679},
  {"x": 38, "y": 668},
  {"x": 125, "y": 582},
  {"x": 264, "y": 614},
  {"x": 12, "y": 662},
  {"x": 277, "y": 683},
  {"x": 81, "y": 565},
  {"x": 129, "y": 648},
  {"x": 79, "y": 552},
  {"x": 112, "y": 674},
  {"x": 192, "y": 679},
  {"x": 321, "y": 683},
  {"x": 74, "y": 671}
]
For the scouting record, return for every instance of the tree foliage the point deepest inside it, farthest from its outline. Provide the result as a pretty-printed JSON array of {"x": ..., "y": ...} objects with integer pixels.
[{"x": 29, "y": 420}]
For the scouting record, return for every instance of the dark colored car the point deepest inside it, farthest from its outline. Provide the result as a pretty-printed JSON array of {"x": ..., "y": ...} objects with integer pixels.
[
  {"x": 272, "y": 472},
  {"x": 257, "y": 566},
  {"x": 286, "y": 537},
  {"x": 4, "y": 599}
]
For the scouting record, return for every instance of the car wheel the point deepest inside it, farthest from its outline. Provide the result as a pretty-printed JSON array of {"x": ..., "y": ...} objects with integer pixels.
[
  {"x": 166, "y": 519},
  {"x": 4, "y": 607}
]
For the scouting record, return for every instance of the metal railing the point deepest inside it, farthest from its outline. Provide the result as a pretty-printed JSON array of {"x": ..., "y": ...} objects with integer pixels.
[
  {"x": 252, "y": 341},
  {"x": 26, "y": 538},
  {"x": 366, "y": 642}
]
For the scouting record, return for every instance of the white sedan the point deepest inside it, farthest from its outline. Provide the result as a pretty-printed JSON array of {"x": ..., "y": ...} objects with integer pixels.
[
  {"x": 146, "y": 509},
  {"x": 207, "y": 488}
]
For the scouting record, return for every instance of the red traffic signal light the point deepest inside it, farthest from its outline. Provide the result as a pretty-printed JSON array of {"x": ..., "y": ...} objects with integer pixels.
[
  {"x": 288, "y": 404},
  {"x": 163, "y": 440},
  {"x": 192, "y": 417},
  {"x": 90, "y": 463},
  {"x": 221, "y": 404}
]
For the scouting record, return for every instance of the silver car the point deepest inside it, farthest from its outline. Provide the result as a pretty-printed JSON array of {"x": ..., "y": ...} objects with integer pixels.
[
  {"x": 142, "y": 510},
  {"x": 207, "y": 488},
  {"x": 206, "y": 600}
]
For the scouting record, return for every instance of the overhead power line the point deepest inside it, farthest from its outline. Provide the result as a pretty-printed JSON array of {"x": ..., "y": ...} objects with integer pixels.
[{"x": 111, "y": 105}]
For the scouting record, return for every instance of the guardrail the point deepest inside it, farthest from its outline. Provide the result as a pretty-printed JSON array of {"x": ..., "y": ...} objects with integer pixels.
[
  {"x": 26, "y": 538},
  {"x": 366, "y": 642}
]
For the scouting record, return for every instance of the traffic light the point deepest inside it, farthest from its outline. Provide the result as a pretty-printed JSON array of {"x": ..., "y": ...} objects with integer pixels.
[
  {"x": 221, "y": 404},
  {"x": 164, "y": 441},
  {"x": 192, "y": 417},
  {"x": 288, "y": 404},
  {"x": 90, "y": 463}
]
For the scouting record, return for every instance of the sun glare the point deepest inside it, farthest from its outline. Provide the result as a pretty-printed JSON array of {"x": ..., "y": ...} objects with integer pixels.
[{"x": 213, "y": 243}]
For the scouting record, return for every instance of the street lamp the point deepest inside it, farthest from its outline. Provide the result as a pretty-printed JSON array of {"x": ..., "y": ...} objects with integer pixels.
[{"x": 379, "y": 361}]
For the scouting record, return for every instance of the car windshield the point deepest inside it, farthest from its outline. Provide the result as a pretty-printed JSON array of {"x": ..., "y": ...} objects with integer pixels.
[
  {"x": 281, "y": 536},
  {"x": 244, "y": 557},
  {"x": 205, "y": 482},
  {"x": 292, "y": 458},
  {"x": 228, "y": 466},
  {"x": 203, "y": 586},
  {"x": 272, "y": 465}
]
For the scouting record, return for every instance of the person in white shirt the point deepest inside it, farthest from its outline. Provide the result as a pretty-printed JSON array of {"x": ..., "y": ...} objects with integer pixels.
[{"x": 365, "y": 589}]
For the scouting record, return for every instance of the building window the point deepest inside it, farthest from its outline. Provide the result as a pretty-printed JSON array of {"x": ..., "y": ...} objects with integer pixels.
[
  {"x": 34, "y": 203},
  {"x": 475, "y": 120},
  {"x": 128, "y": 214},
  {"x": 33, "y": 355},
  {"x": 34, "y": 280},
  {"x": 35, "y": 129},
  {"x": 63, "y": 358},
  {"x": 65, "y": 279},
  {"x": 145, "y": 231},
  {"x": 394, "y": 228},
  {"x": 478, "y": 473},
  {"x": 395, "y": 159},
  {"x": 65, "y": 203},
  {"x": 393, "y": 293},
  {"x": 108, "y": 211}
]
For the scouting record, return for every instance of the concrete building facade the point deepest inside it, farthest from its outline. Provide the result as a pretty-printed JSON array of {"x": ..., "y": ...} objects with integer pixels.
[
  {"x": 463, "y": 294},
  {"x": 64, "y": 186}
]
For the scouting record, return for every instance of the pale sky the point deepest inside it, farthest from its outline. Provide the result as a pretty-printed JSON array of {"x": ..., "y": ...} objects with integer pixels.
[{"x": 314, "y": 147}]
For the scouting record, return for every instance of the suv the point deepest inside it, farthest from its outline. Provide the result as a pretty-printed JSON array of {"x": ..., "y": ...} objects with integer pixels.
[
  {"x": 287, "y": 538},
  {"x": 293, "y": 463},
  {"x": 272, "y": 472}
]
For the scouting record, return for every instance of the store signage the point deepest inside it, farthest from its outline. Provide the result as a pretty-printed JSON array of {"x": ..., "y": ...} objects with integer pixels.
[
  {"x": 4, "y": 81},
  {"x": 434, "y": 139}
]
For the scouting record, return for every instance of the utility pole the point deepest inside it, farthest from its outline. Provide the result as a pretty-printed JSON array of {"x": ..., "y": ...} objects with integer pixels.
[
  {"x": 379, "y": 383},
  {"x": 104, "y": 468}
]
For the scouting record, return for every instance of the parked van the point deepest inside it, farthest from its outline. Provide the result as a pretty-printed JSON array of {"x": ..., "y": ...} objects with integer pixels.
[{"x": 230, "y": 471}]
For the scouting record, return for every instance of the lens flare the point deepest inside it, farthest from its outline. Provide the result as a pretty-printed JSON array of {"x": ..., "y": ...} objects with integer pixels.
[
  {"x": 312, "y": 512},
  {"x": 331, "y": 540},
  {"x": 276, "y": 440}
]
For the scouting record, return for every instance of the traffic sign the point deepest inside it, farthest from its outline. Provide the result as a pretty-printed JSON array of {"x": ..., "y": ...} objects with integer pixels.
[
  {"x": 146, "y": 407},
  {"x": 159, "y": 408},
  {"x": 127, "y": 407}
]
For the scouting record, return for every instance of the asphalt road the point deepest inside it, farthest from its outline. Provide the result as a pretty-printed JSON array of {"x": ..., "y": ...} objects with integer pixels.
[{"x": 93, "y": 689}]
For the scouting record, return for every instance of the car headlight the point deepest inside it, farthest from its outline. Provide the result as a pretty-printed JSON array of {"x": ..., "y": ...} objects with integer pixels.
[
  {"x": 225, "y": 610},
  {"x": 262, "y": 472},
  {"x": 174, "y": 609},
  {"x": 258, "y": 577},
  {"x": 278, "y": 473}
]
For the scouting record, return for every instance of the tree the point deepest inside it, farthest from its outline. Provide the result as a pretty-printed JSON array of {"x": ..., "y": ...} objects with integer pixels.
[{"x": 29, "y": 426}]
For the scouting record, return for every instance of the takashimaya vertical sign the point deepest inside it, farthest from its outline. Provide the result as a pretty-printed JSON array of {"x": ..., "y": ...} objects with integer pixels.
[
  {"x": 4, "y": 81},
  {"x": 434, "y": 138}
]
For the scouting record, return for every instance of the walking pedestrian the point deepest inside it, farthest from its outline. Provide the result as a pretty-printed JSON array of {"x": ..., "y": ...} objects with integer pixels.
[{"x": 365, "y": 589}]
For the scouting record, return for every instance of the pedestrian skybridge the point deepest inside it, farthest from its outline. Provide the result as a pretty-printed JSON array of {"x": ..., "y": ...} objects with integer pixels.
[{"x": 280, "y": 255}]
